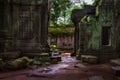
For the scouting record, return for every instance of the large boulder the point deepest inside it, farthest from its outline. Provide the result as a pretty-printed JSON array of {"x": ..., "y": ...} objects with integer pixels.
[{"x": 19, "y": 63}]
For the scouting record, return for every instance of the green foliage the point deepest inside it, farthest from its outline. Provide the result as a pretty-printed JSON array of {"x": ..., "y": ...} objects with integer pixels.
[
  {"x": 88, "y": 19},
  {"x": 60, "y": 31},
  {"x": 61, "y": 12},
  {"x": 51, "y": 23},
  {"x": 58, "y": 9},
  {"x": 83, "y": 19},
  {"x": 97, "y": 4},
  {"x": 100, "y": 2},
  {"x": 62, "y": 9}
]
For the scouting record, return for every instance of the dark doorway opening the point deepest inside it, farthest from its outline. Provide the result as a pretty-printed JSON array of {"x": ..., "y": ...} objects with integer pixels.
[{"x": 106, "y": 35}]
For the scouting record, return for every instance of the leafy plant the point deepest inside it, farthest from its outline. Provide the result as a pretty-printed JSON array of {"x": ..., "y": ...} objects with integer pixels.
[{"x": 58, "y": 9}]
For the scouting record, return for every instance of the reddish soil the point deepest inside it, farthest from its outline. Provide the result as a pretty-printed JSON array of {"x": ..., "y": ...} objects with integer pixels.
[{"x": 70, "y": 69}]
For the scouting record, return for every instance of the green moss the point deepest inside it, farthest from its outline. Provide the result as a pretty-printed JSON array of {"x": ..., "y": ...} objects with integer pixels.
[
  {"x": 97, "y": 11},
  {"x": 88, "y": 18},
  {"x": 97, "y": 4},
  {"x": 60, "y": 31},
  {"x": 83, "y": 19},
  {"x": 18, "y": 63},
  {"x": 100, "y": 2}
]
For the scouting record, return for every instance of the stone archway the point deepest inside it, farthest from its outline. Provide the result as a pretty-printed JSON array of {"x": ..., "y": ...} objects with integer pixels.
[{"x": 76, "y": 16}]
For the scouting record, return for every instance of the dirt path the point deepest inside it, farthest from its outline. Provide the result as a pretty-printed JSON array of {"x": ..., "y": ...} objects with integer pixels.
[{"x": 68, "y": 69}]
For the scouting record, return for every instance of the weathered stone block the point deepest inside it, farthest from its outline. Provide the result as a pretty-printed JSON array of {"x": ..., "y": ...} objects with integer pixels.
[
  {"x": 89, "y": 59},
  {"x": 115, "y": 61}
]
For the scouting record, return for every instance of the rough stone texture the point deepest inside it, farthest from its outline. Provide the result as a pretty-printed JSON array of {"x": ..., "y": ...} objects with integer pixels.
[
  {"x": 89, "y": 59},
  {"x": 115, "y": 61},
  {"x": 25, "y": 25},
  {"x": 76, "y": 16},
  {"x": 103, "y": 37},
  {"x": 117, "y": 70}
]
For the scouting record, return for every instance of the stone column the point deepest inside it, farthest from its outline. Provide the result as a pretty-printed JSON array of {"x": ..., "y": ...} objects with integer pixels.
[
  {"x": 76, "y": 39},
  {"x": 44, "y": 25},
  {"x": 82, "y": 38},
  {"x": 1, "y": 27}
]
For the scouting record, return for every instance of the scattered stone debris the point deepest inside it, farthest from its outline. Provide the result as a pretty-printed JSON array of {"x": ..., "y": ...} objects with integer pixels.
[
  {"x": 89, "y": 59},
  {"x": 96, "y": 78},
  {"x": 68, "y": 59},
  {"x": 38, "y": 75},
  {"x": 40, "y": 72},
  {"x": 19, "y": 63},
  {"x": 45, "y": 70},
  {"x": 115, "y": 61},
  {"x": 79, "y": 65},
  {"x": 117, "y": 70},
  {"x": 15, "y": 64}
]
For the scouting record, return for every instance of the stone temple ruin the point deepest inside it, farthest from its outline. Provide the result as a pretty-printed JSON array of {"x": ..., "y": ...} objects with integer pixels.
[
  {"x": 23, "y": 26},
  {"x": 102, "y": 38}
]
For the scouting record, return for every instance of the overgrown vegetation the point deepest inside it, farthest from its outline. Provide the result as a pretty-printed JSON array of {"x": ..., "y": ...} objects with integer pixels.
[
  {"x": 61, "y": 16},
  {"x": 89, "y": 19},
  {"x": 61, "y": 31},
  {"x": 58, "y": 12},
  {"x": 61, "y": 13}
]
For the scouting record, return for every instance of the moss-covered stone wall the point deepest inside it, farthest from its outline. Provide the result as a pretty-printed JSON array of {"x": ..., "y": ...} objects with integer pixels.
[{"x": 93, "y": 29}]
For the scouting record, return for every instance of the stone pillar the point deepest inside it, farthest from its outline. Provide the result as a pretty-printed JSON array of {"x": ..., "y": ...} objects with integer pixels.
[
  {"x": 1, "y": 27},
  {"x": 117, "y": 24},
  {"x": 76, "y": 39},
  {"x": 82, "y": 40},
  {"x": 44, "y": 24}
]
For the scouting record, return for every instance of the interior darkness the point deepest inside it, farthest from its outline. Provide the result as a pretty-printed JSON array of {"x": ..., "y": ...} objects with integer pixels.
[{"x": 105, "y": 35}]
